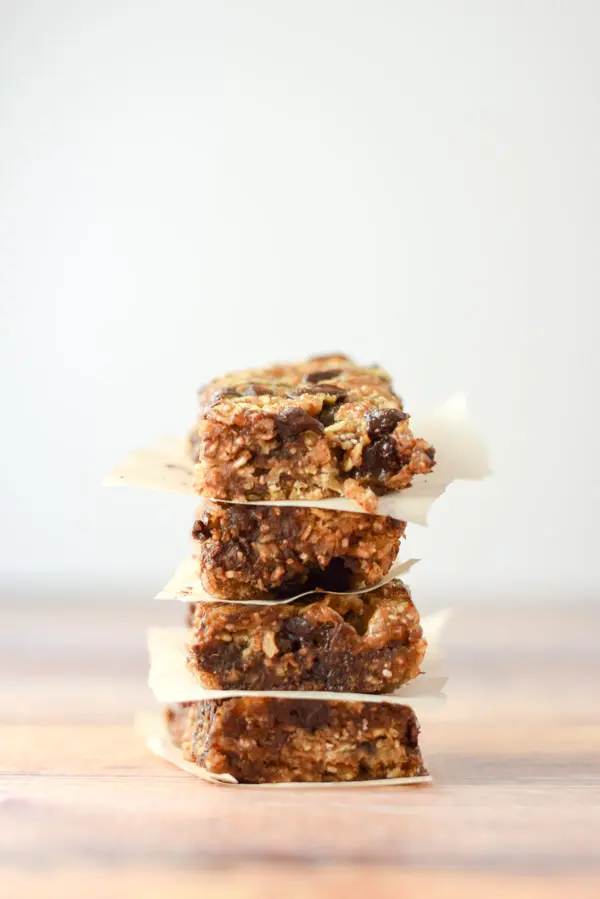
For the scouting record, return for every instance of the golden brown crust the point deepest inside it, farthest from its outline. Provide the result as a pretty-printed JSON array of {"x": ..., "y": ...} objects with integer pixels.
[{"x": 366, "y": 643}]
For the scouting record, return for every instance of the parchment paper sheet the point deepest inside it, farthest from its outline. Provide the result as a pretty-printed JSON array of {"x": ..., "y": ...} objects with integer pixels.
[
  {"x": 171, "y": 681},
  {"x": 156, "y": 737},
  {"x": 185, "y": 585},
  {"x": 460, "y": 455}
]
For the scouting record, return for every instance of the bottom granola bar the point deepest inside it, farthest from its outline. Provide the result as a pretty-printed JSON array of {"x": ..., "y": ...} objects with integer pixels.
[{"x": 272, "y": 740}]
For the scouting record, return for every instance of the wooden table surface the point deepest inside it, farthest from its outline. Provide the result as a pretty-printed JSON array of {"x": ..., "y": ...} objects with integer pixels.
[{"x": 86, "y": 811}]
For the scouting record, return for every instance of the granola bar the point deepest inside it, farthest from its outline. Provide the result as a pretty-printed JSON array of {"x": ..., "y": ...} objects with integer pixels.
[
  {"x": 275, "y": 380},
  {"x": 339, "y": 431},
  {"x": 251, "y": 552},
  {"x": 366, "y": 643},
  {"x": 271, "y": 740},
  {"x": 279, "y": 378}
]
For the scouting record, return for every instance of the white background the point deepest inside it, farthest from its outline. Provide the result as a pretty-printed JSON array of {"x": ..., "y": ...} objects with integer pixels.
[{"x": 190, "y": 187}]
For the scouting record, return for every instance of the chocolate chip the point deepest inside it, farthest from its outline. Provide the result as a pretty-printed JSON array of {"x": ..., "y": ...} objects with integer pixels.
[
  {"x": 294, "y": 633},
  {"x": 327, "y": 415},
  {"x": 368, "y": 748},
  {"x": 411, "y": 738},
  {"x": 241, "y": 519},
  {"x": 296, "y": 625},
  {"x": 293, "y": 421},
  {"x": 256, "y": 390},
  {"x": 334, "y": 397},
  {"x": 383, "y": 422},
  {"x": 309, "y": 714},
  {"x": 201, "y": 530},
  {"x": 316, "y": 376},
  {"x": 221, "y": 394},
  {"x": 229, "y": 557},
  {"x": 380, "y": 459}
]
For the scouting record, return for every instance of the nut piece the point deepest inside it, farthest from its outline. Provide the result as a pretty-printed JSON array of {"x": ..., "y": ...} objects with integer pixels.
[{"x": 269, "y": 646}]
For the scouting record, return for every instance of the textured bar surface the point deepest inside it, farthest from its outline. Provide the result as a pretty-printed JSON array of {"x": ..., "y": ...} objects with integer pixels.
[
  {"x": 266, "y": 740},
  {"x": 245, "y": 551},
  {"x": 308, "y": 431},
  {"x": 367, "y": 643}
]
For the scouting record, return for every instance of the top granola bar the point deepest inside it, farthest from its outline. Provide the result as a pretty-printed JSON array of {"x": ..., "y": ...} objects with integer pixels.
[{"x": 311, "y": 430}]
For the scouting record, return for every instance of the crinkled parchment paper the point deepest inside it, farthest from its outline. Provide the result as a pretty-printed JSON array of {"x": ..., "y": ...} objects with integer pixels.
[
  {"x": 460, "y": 455},
  {"x": 172, "y": 682},
  {"x": 154, "y": 733},
  {"x": 185, "y": 585}
]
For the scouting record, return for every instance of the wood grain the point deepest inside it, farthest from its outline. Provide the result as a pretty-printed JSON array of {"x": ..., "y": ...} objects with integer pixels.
[{"x": 84, "y": 809}]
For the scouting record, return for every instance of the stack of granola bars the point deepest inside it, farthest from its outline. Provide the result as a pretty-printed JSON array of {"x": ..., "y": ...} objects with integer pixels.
[{"x": 300, "y": 637}]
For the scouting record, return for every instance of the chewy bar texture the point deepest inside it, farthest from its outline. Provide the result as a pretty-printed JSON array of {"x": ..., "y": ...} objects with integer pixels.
[
  {"x": 367, "y": 643},
  {"x": 308, "y": 431},
  {"x": 283, "y": 376},
  {"x": 271, "y": 740},
  {"x": 253, "y": 552}
]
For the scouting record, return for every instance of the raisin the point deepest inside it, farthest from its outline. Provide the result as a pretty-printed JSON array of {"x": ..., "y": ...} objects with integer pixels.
[
  {"x": 315, "y": 376},
  {"x": 292, "y": 422},
  {"x": 383, "y": 422}
]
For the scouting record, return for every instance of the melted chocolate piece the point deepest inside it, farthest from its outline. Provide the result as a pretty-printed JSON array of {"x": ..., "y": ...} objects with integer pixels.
[
  {"x": 297, "y": 633},
  {"x": 327, "y": 414},
  {"x": 383, "y": 422},
  {"x": 380, "y": 459},
  {"x": 316, "y": 376},
  {"x": 257, "y": 390},
  {"x": 292, "y": 422},
  {"x": 309, "y": 714}
]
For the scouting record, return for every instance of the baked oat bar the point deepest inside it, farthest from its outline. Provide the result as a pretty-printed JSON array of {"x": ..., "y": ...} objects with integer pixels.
[
  {"x": 340, "y": 431},
  {"x": 271, "y": 740},
  {"x": 277, "y": 379},
  {"x": 358, "y": 643},
  {"x": 280, "y": 377},
  {"x": 254, "y": 552}
]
